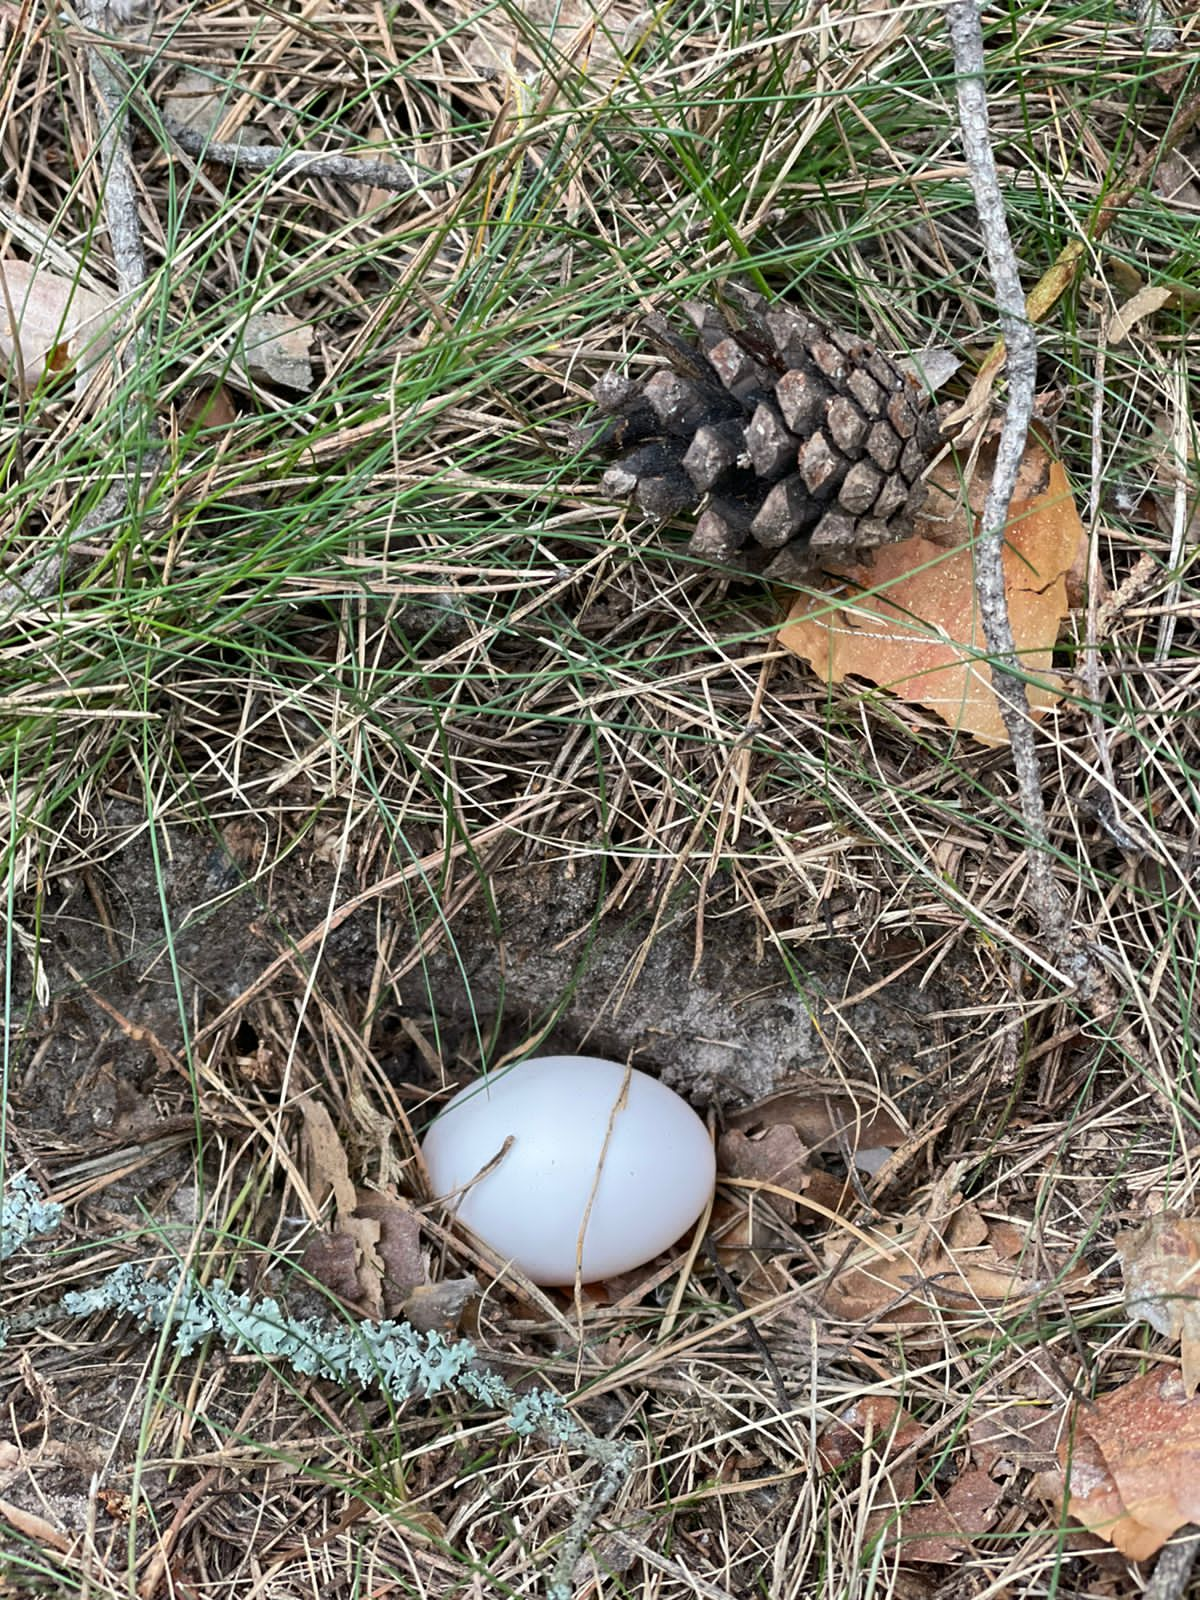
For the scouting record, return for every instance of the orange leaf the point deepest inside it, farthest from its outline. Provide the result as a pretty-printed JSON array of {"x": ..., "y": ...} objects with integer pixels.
[
  {"x": 914, "y": 626},
  {"x": 1131, "y": 1474}
]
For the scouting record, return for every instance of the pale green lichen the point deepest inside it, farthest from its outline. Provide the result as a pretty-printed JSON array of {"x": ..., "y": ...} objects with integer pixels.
[
  {"x": 24, "y": 1214},
  {"x": 393, "y": 1355}
]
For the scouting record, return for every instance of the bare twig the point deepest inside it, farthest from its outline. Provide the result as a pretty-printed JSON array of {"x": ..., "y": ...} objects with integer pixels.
[
  {"x": 120, "y": 196},
  {"x": 966, "y": 36},
  {"x": 292, "y": 163},
  {"x": 1063, "y": 271},
  {"x": 1180, "y": 442},
  {"x": 756, "y": 1339},
  {"x": 1173, "y": 1570}
]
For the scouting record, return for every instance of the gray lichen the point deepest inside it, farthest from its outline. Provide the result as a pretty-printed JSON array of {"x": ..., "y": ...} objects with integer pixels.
[
  {"x": 24, "y": 1214},
  {"x": 393, "y": 1356}
]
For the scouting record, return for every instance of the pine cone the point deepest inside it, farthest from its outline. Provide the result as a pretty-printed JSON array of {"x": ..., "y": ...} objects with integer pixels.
[{"x": 803, "y": 440}]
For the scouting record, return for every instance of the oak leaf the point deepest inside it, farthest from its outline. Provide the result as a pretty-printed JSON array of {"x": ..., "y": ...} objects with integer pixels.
[
  {"x": 829, "y": 1120},
  {"x": 779, "y": 1156},
  {"x": 908, "y": 1268},
  {"x": 907, "y": 618},
  {"x": 1129, "y": 1468}
]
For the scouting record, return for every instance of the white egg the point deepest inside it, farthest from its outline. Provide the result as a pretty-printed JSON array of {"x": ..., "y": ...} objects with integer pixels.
[{"x": 606, "y": 1167}]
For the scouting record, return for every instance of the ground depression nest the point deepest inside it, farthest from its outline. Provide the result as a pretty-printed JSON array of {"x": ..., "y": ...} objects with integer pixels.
[{"x": 801, "y": 441}]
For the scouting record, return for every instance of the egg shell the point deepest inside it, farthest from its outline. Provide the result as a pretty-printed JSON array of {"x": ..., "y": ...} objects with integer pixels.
[{"x": 598, "y": 1149}]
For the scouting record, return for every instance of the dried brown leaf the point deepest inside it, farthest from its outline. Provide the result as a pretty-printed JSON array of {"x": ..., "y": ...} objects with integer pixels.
[
  {"x": 371, "y": 1273},
  {"x": 1139, "y": 306},
  {"x": 914, "y": 625},
  {"x": 874, "y": 1422},
  {"x": 332, "y": 1259},
  {"x": 48, "y": 323},
  {"x": 768, "y": 1149},
  {"x": 966, "y": 1229},
  {"x": 910, "y": 1268},
  {"x": 439, "y": 1307},
  {"x": 1177, "y": 180},
  {"x": 275, "y": 348},
  {"x": 941, "y": 1529},
  {"x": 1161, "y": 1264},
  {"x": 1130, "y": 1469},
  {"x": 203, "y": 100},
  {"x": 936, "y": 1530},
  {"x": 329, "y": 1173},
  {"x": 398, "y": 1247},
  {"x": 825, "y": 1121},
  {"x": 932, "y": 367},
  {"x": 372, "y": 1259},
  {"x": 30, "y": 1526},
  {"x": 866, "y": 24},
  {"x": 328, "y": 1169},
  {"x": 594, "y": 38},
  {"x": 1022, "y": 1428},
  {"x": 208, "y": 406},
  {"x": 778, "y": 1156}
]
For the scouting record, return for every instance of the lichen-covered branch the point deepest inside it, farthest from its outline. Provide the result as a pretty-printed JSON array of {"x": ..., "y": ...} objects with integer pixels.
[
  {"x": 129, "y": 261},
  {"x": 966, "y": 36},
  {"x": 116, "y": 165},
  {"x": 391, "y": 1356}
]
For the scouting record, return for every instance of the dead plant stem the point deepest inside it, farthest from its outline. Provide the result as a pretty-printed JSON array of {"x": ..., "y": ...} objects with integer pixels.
[{"x": 116, "y": 166}]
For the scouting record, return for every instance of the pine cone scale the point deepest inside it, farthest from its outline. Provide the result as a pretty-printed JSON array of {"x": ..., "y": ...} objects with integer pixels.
[
  {"x": 799, "y": 400},
  {"x": 847, "y": 426},
  {"x": 712, "y": 454},
  {"x": 770, "y": 446},
  {"x": 860, "y": 489},
  {"x": 782, "y": 514},
  {"x": 819, "y": 465}
]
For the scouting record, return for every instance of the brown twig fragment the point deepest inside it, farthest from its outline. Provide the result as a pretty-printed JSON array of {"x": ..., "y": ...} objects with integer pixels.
[
  {"x": 966, "y": 36},
  {"x": 292, "y": 163}
]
